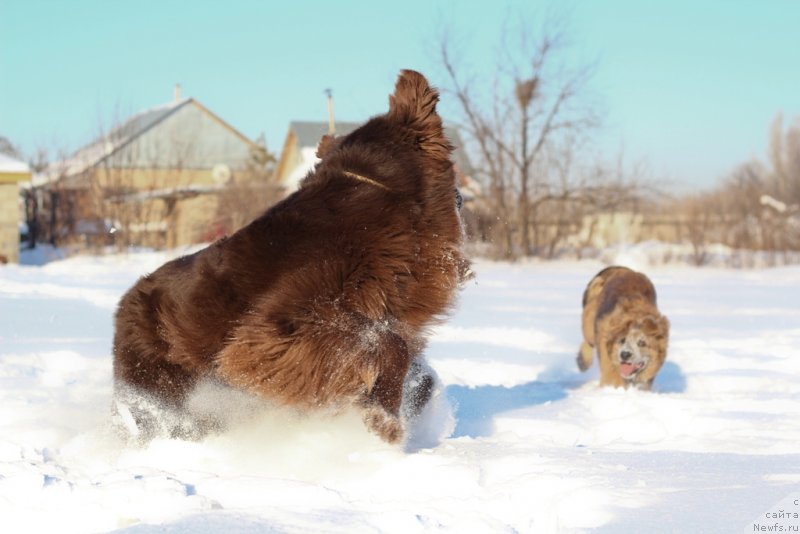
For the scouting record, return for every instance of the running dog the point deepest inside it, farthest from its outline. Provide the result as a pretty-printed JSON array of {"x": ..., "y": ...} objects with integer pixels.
[
  {"x": 621, "y": 320},
  {"x": 325, "y": 299}
]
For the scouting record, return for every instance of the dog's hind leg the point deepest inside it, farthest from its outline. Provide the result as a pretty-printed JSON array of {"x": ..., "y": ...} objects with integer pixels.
[
  {"x": 336, "y": 355},
  {"x": 585, "y": 356},
  {"x": 385, "y": 396}
]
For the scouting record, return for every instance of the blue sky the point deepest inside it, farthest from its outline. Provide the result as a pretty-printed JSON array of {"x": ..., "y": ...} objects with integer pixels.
[{"x": 689, "y": 88}]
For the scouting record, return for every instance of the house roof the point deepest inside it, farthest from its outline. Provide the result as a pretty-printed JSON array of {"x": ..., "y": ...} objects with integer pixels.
[
  {"x": 122, "y": 136},
  {"x": 309, "y": 133},
  {"x": 9, "y": 165},
  {"x": 102, "y": 147},
  {"x": 13, "y": 170},
  {"x": 144, "y": 120}
]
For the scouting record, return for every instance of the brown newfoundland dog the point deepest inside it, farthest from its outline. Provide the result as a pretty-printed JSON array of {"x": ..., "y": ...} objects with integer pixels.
[
  {"x": 323, "y": 300},
  {"x": 621, "y": 319}
]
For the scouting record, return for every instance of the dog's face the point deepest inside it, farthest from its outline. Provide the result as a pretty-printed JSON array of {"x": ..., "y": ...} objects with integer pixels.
[{"x": 639, "y": 351}]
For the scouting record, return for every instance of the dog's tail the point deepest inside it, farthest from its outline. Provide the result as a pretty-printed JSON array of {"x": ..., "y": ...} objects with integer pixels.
[{"x": 585, "y": 356}]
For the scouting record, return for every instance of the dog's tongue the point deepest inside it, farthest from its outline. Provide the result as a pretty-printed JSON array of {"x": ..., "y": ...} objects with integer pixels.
[{"x": 627, "y": 369}]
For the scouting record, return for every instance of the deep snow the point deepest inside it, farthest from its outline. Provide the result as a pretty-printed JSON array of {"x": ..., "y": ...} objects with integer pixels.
[{"x": 517, "y": 441}]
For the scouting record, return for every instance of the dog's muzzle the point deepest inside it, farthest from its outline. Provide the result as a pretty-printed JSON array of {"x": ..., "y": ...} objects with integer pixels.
[{"x": 630, "y": 367}]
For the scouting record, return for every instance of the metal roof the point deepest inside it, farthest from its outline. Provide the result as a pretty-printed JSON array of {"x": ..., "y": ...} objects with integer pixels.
[
  {"x": 12, "y": 165},
  {"x": 191, "y": 140},
  {"x": 309, "y": 133},
  {"x": 142, "y": 121}
]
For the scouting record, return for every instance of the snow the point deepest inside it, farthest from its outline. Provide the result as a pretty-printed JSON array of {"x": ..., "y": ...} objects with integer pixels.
[
  {"x": 12, "y": 165},
  {"x": 517, "y": 440},
  {"x": 308, "y": 158}
]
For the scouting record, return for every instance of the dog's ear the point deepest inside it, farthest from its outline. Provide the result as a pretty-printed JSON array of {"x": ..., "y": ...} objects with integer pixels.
[
  {"x": 414, "y": 101},
  {"x": 663, "y": 326},
  {"x": 656, "y": 325},
  {"x": 413, "y": 105},
  {"x": 326, "y": 144}
]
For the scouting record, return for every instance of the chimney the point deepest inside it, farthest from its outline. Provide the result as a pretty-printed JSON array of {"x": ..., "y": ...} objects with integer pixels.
[
  {"x": 331, "y": 122},
  {"x": 177, "y": 92}
]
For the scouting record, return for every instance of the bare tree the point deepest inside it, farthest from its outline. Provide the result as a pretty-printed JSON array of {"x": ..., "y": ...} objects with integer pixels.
[
  {"x": 784, "y": 159},
  {"x": 699, "y": 221},
  {"x": 251, "y": 191},
  {"x": 516, "y": 123},
  {"x": 9, "y": 149},
  {"x": 32, "y": 196}
]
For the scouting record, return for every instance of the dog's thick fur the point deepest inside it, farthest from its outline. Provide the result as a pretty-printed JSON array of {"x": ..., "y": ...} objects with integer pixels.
[
  {"x": 323, "y": 300},
  {"x": 621, "y": 320}
]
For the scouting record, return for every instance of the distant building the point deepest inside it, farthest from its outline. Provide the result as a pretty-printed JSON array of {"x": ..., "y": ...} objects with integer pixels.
[
  {"x": 299, "y": 152},
  {"x": 12, "y": 172},
  {"x": 153, "y": 180}
]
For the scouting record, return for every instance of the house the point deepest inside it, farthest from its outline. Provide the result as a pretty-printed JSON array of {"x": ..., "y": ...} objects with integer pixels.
[
  {"x": 157, "y": 179},
  {"x": 299, "y": 155},
  {"x": 12, "y": 172},
  {"x": 299, "y": 152}
]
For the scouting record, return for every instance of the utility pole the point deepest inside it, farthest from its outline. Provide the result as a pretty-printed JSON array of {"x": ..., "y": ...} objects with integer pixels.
[{"x": 331, "y": 123}]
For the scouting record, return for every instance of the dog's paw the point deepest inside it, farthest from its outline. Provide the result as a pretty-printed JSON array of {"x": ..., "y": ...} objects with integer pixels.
[
  {"x": 417, "y": 389},
  {"x": 386, "y": 425}
]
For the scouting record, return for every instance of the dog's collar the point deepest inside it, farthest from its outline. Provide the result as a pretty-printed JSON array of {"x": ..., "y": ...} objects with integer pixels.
[{"x": 366, "y": 180}]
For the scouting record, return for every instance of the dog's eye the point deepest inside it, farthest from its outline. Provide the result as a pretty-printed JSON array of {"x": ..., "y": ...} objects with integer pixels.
[
  {"x": 642, "y": 343},
  {"x": 459, "y": 199},
  {"x": 621, "y": 340}
]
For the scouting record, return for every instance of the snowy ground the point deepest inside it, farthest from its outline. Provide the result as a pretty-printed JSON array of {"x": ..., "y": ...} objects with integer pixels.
[{"x": 518, "y": 441}]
